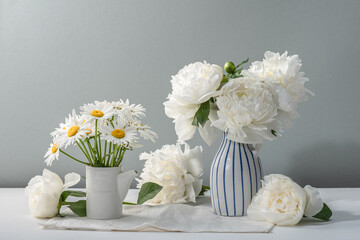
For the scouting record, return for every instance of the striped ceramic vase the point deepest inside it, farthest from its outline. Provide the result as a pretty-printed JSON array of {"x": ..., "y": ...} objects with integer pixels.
[{"x": 235, "y": 176}]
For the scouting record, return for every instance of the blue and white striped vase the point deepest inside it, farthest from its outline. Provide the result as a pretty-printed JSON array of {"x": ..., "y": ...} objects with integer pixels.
[{"x": 235, "y": 177}]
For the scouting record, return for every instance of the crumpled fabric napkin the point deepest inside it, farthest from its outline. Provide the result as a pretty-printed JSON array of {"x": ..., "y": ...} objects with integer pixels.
[{"x": 192, "y": 217}]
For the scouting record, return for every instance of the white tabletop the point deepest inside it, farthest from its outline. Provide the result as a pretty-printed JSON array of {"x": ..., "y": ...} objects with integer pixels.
[{"x": 16, "y": 223}]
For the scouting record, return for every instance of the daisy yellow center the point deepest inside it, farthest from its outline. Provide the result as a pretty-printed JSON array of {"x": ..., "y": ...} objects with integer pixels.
[
  {"x": 118, "y": 133},
  {"x": 54, "y": 148},
  {"x": 97, "y": 113},
  {"x": 88, "y": 131},
  {"x": 73, "y": 131}
]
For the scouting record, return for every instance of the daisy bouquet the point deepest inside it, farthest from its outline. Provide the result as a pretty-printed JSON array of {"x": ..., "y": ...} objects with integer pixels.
[
  {"x": 103, "y": 132},
  {"x": 249, "y": 105}
]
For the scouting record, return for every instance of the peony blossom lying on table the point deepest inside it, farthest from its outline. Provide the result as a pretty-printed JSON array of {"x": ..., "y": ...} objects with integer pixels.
[
  {"x": 249, "y": 105},
  {"x": 176, "y": 170},
  {"x": 283, "y": 202},
  {"x": 44, "y": 192}
]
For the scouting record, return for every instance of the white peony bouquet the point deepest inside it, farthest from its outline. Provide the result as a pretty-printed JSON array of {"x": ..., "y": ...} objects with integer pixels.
[
  {"x": 249, "y": 105},
  {"x": 177, "y": 171},
  {"x": 103, "y": 132}
]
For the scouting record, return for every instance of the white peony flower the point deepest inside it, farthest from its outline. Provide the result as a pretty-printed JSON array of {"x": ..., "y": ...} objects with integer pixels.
[
  {"x": 194, "y": 84},
  {"x": 247, "y": 111},
  {"x": 44, "y": 192},
  {"x": 280, "y": 201},
  {"x": 177, "y": 171},
  {"x": 281, "y": 72}
]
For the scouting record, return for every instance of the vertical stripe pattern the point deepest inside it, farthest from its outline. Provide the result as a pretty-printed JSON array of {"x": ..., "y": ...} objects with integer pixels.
[{"x": 235, "y": 177}]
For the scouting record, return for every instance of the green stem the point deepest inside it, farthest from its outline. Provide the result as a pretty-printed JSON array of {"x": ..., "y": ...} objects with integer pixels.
[
  {"x": 73, "y": 158},
  {"x": 121, "y": 156},
  {"x": 100, "y": 149},
  {"x": 86, "y": 155},
  {"x": 90, "y": 148},
  {"x": 108, "y": 159},
  {"x": 84, "y": 150},
  {"x": 118, "y": 153},
  {"x": 95, "y": 142},
  {"x": 114, "y": 155},
  {"x": 105, "y": 148},
  {"x": 89, "y": 156}
]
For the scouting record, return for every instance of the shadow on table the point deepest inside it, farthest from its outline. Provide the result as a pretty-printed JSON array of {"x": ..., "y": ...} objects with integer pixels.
[
  {"x": 327, "y": 164},
  {"x": 338, "y": 216}
]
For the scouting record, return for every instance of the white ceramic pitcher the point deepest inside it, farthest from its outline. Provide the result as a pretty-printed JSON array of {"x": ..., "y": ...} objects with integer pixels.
[{"x": 106, "y": 189}]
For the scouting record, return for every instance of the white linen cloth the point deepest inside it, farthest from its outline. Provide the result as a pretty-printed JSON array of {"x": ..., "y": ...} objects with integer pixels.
[{"x": 192, "y": 217}]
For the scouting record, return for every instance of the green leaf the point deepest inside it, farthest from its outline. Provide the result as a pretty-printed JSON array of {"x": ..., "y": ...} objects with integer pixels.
[
  {"x": 79, "y": 208},
  {"x": 66, "y": 194},
  {"x": 202, "y": 114},
  {"x": 243, "y": 62},
  {"x": 129, "y": 203},
  {"x": 325, "y": 213},
  {"x": 148, "y": 191},
  {"x": 203, "y": 190},
  {"x": 273, "y": 132}
]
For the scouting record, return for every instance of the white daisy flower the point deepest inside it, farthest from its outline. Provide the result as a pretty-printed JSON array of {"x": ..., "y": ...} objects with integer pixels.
[
  {"x": 144, "y": 131},
  {"x": 98, "y": 110},
  {"x": 58, "y": 131},
  {"x": 133, "y": 110},
  {"x": 52, "y": 153},
  {"x": 119, "y": 133},
  {"x": 75, "y": 128}
]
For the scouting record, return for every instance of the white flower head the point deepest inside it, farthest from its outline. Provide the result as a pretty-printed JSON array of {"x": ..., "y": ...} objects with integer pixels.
[
  {"x": 52, "y": 153},
  {"x": 144, "y": 131},
  {"x": 98, "y": 110},
  {"x": 119, "y": 132},
  {"x": 44, "y": 192},
  {"x": 177, "y": 171},
  {"x": 282, "y": 73},
  {"x": 194, "y": 84},
  {"x": 280, "y": 201},
  {"x": 75, "y": 128},
  {"x": 247, "y": 111},
  {"x": 132, "y": 111}
]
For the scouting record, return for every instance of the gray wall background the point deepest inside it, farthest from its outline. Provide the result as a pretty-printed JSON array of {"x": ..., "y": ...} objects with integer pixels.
[{"x": 58, "y": 55}]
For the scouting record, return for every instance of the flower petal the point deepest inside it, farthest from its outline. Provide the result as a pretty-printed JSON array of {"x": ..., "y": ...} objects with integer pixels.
[
  {"x": 314, "y": 203},
  {"x": 71, "y": 179},
  {"x": 208, "y": 133},
  {"x": 184, "y": 129}
]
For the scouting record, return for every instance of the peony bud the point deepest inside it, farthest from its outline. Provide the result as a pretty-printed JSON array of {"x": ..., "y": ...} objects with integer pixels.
[{"x": 229, "y": 67}]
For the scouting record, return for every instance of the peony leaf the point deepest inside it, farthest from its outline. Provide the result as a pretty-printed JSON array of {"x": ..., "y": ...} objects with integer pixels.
[
  {"x": 203, "y": 190},
  {"x": 325, "y": 213},
  {"x": 66, "y": 194},
  {"x": 79, "y": 208},
  {"x": 202, "y": 114},
  {"x": 148, "y": 191}
]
